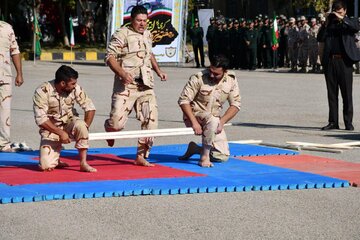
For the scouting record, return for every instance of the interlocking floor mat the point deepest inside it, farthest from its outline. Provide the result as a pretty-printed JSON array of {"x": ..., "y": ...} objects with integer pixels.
[
  {"x": 313, "y": 164},
  {"x": 21, "y": 181}
]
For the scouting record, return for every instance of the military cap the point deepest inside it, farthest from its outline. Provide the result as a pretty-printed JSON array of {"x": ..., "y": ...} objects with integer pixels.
[
  {"x": 266, "y": 17},
  {"x": 320, "y": 15},
  {"x": 323, "y": 19},
  {"x": 260, "y": 15},
  {"x": 196, "y": 20},
  {"x": 313, "y": 20},
  {"x": 236, "y": 21},
  {"x": 302, "y": 18},
  {"x": 212, "y": 19},
  {"x": 292, "y": 20}
]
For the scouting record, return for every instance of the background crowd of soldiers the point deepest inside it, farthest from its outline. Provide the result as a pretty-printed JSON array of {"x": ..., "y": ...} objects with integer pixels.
[{"x": 249, "y": 43}]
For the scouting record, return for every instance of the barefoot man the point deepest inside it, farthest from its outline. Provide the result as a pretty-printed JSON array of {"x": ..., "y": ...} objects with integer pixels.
[
  {"x": 201, "y": 101},
  {"x": 130, "y": 57},
  {"x": 53, "y": 104}
]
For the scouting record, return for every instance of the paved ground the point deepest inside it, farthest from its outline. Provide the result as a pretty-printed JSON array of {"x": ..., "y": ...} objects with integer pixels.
[{"x": 277, "y": 107}]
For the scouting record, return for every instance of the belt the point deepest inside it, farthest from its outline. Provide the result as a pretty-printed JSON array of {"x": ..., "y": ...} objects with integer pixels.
[{"x": 336, "y": 56}]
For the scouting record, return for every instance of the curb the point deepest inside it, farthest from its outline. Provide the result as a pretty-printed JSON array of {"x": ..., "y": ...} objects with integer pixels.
[{"x": 66, "y": 56}]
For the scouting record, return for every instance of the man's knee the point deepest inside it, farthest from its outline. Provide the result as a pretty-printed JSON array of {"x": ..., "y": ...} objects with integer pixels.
[
  {"x": 112, "y": 125},
  {"x": 216, "y": 156}
]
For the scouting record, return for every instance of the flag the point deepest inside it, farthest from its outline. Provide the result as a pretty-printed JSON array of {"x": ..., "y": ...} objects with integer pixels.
[
  {"x": 72, "y": 37},
  {"x": 275, "y": 34},
  {"x": 38, "y": 36}
]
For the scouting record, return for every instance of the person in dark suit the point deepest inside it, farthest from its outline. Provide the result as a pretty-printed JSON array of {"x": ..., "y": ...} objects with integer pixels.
[
  {"x": 340, "y": 53},
  {"x": 196, "y": 35}
]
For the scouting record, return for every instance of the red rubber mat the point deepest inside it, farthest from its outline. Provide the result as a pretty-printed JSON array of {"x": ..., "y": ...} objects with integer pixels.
[
  {"x": 313, "y": 164},
  {"x": 109, "y": 166}
]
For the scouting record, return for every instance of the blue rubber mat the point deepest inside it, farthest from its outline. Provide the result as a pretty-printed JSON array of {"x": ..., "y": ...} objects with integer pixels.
[{"x": 233, "y": 176}]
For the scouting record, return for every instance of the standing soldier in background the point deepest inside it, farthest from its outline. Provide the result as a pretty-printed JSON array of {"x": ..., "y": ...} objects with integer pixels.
[
  {"x": 243, "y": 64},
  {"x": 260, "y": 61},
  {"x": 251, "y": 36},
  {"x": 313, "y": 46},
  {"x": 210, "y": 35},
  {"x": 218, "y": 38},
  {"x": 9, "y": 49},
  {"x": 357, "y": 41},
  {"x": 266, "y": 37},
  {"x": 283, "y": 57},
  {"x": 196, "y": 36},
  {"x": 293, "y": 39},
  {"x": 321, "y": 37},
  {"x": 304, "y": 44},
  {"x": 235, "y": 46}
]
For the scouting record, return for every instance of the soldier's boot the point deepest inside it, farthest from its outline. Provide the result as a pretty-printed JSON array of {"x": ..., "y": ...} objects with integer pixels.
[{"x": 313, "y": 69}]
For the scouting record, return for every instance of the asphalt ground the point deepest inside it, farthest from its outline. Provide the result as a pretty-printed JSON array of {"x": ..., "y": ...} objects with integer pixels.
[{"x": 276, "y": 107}]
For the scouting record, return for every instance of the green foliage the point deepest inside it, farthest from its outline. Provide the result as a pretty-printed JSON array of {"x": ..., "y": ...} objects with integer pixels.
[{"x": 319, "y": 5}]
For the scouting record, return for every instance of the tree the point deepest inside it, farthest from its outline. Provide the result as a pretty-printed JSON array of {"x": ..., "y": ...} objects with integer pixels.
[{"x": 319, "y": 5}]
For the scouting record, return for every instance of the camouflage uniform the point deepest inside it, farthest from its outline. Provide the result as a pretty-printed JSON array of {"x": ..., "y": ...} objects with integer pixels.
[
  {"x": 313, "y": 47},
  {"x": 8, "y": 48},
  {"x": 304, "y": 46},
  {"x": 293, "y": 49},
  {"x": 206, "y": 100},
  {"x": 133, "y": 52},
  {"x": 48, "y": 104}
]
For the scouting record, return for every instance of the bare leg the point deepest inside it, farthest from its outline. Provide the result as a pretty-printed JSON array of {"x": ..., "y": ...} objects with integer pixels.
[
  {"x": 205, "y": 157},
  {"x": 142, "y": 151},
  {"x": 84, "y": 166},
  {"x": 110, "y": 142},
  {"x": 192, "y": 149},
  {"x": 62, "y": 164}
]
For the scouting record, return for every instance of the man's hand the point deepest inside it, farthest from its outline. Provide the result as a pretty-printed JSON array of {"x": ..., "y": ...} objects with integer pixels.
[
  {"x": 220, "y": 127},
  {"x": 127, "y": 78},
  {"x": 19, "y": 80},
  {"x": 162, "y": 76},
  {"x": 197, "y": 128},
  {"x": 338, "y": 15},
  {"x": 64, "y": 137}
]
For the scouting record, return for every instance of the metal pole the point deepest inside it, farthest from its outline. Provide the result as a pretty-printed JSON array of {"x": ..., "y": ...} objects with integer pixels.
[{"x": 356, "y": 8}]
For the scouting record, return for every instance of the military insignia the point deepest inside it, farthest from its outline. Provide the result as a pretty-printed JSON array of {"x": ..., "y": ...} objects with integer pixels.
[{"x": 170, "y": 51}]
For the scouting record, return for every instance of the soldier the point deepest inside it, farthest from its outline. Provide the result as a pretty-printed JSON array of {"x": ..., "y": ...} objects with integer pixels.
[
  {"x": 283, "y": 39},
  {"x": 201, "y": 102},
  {"x": 235, "y": 46},
  {"x": 313, "y": 46},
  {"x": 9, "y": 50},
  {"x": 293, "y": 40},
  {"x": 266, "y": 37},
  {"x": 357, "y": 41},
  {"x": 196, "y": 36},
  {"x": 210, "y": 35},
  {"x": 304, "y": 44},
  {"x": 321, "y": 38},
  {"x": 53, "y": 104},
  {"x": 130, "y": 57},
  {"x": 242, "y": 45},
  {"x": 260, "y": 60},
  {"x": 251, "y": 43}
]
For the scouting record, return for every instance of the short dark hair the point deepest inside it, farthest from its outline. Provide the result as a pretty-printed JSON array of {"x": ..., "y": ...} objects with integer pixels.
[
  {"x": 138, "y": 9},
  {"x": 339, "y": 4},
  {"x": 220, "y": 61},
  {"x": 65, "y": 73}
]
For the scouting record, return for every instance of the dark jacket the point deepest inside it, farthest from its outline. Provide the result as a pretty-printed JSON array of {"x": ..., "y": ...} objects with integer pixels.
[{"x": 348, "y": 29}]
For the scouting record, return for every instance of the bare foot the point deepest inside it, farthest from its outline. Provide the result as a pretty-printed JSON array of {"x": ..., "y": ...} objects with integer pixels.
[
  {"x": 205, "y": 163},
  {"x": 192, "y": 149},
  {"x": 87, "y": 168},
  {"x": 140, "y": 161},
  {"x": 62, "y": 164},
  {"x": 110, "y": 142}
]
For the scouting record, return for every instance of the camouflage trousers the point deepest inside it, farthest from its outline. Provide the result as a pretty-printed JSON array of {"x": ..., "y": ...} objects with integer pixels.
[
  {"x": 314, "y": 55},
  {"x": 50, "y": 145},
  {"x": 5, "y": 107},
  {"x": 140, "y": 98},
  {"x": 219, "y": 145}
]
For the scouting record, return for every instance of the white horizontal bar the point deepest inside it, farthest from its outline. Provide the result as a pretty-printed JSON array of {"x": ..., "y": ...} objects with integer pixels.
[{"x": 165, "y": 132}]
